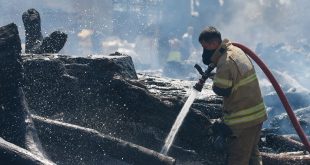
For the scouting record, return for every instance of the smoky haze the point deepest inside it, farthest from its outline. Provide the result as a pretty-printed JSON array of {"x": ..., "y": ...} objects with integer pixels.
[
  {"x": 277, "y": 30},
  {"x": 249, "y": 22}
]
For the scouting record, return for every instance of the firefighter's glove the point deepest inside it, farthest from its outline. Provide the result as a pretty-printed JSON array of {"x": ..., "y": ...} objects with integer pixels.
[
  {"x": 219, "y": 133},
  {"x": 219, "y": 128},
  {"x": 220, "y": 143},
  {"x": 211, "y": 75}
]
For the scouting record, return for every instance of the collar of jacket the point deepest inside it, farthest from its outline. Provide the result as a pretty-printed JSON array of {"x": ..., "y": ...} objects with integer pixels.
[{"x": 220, "y": 51}]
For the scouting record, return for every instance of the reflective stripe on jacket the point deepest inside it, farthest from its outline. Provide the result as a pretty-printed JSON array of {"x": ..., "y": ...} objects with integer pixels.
[{"x": 244, "y": 107}]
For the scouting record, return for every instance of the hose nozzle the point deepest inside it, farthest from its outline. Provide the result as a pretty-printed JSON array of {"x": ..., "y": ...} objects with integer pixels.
[{"x": 204, "y": 76}]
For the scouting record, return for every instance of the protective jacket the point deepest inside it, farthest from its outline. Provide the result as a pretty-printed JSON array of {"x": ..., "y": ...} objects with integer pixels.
[{"x": 236, "y": 80}]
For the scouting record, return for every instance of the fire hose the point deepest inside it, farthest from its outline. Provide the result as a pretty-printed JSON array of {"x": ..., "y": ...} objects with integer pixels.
[{"x": 280, "y": 93}]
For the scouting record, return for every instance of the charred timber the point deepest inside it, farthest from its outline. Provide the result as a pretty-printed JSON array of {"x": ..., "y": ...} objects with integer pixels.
[
  {"x": 84, "y": 139},
  {"x": 95, "y": 92},
  {"x": 35, "y": 43},
  {"x": 15, "y": 122},
  {"x": 13, "y": 154},
  {"x": 295, "y": 137},
  {"x": 283, "y": 144},
  {"x": 285, "y": 159}
]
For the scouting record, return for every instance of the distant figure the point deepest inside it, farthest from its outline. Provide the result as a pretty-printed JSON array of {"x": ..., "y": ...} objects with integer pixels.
[
  {"x": 175, "y": 54},
  {"x": 173, "y": 66},
  {"x": 96, "y": 40},
  {"x": 146, "y": 47},
  {"x": 187, "y": 46},
  {"x": 243, "y": 106},
  {"x": 85, "y": 42}
]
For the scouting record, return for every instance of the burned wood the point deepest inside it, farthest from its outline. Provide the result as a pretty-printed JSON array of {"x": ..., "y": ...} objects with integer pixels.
[
  {"x": 14, "y": 114},
  {"x": 283, "y": 144},
  {"x": 51, "y": 44},
  {"x": 73, "y": 140},
  {"x": 32, "y": 23},
  {"x": 13, "y": 154},
  {"x": 35, "y": 43},
  {"x": 11, "y": 114},
  {"x": 10, "y": 47},
  {"x": 285, "y": 159},
  {"x": 295, "y": 137}
]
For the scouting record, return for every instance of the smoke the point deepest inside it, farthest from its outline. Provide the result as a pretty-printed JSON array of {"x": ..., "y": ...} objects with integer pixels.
[
  {"x": 253, "y": 22},
  {"x": 145, "y": 30},
  {"x": 85, "y": 33},
  {"x": 85, "y": 42},
  {"x": 221, "y": 2}
]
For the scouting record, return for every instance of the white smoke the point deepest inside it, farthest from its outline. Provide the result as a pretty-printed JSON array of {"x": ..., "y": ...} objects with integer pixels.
[
  {"x": 221, "y": 2},
  {"x": 248, "y": 22},
  {"x": 252, "y": 22}
]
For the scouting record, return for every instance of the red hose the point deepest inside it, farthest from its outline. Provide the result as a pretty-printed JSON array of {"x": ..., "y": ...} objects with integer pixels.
[{"x": 281, "y": 95}]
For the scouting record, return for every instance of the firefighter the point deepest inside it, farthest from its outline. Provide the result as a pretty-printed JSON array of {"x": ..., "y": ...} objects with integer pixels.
[
  {"x": 243, "y": 107},
  {"x": 173, "y": 67}
]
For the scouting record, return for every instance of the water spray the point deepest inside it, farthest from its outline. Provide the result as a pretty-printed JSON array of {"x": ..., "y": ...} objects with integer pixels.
[{"x": 185, "y": 109}]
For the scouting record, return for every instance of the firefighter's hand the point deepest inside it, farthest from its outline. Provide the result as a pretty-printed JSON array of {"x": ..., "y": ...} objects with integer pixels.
[{"x": 211, "y": 76}]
